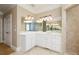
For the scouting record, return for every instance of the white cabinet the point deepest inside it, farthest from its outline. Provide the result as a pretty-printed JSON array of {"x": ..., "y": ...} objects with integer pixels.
[
  {"x": 48, "y": 40},
  {"x": 55, "y": 42},
  {"x": 41, "y": 39},
  {"x": 33, "y": 40},
  {"x": 27, "y": 41},
  {"x": 23, "y": 42}
]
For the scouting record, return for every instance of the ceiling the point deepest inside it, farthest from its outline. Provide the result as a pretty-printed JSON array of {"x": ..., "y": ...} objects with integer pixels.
[
  {"x": 34, "y": 8},
  {"x": 5, "y": 7},
  {"x": 39, "y": 8}
]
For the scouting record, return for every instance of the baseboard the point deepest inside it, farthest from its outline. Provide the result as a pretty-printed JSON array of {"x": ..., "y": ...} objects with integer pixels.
[
  {"x": 31, "y": 48},
  {"x": 70, "y": 53},
  {"x": 61, "y": 52},
  {"x": 1, "y": 42},
  {"x": 15, "y": 48}
]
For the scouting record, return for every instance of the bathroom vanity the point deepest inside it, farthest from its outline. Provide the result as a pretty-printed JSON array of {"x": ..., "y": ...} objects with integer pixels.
[
  {"x": 50, "y": 40},
  {"x": 46, "y": 34}
]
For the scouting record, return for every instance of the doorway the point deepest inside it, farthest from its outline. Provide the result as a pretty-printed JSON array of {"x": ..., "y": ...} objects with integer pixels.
[
  {"x": 70, "y": 29},
  {"x": 73, "y": 29},
  {"x": 8, "y": 30}
]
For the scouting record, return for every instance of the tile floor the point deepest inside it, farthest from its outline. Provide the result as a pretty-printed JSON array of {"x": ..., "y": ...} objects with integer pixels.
[{"x": 37, "y": 51}]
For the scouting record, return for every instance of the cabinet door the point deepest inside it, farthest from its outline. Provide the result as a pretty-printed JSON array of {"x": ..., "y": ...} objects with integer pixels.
[
  {"x": 56, "y": 43},
  {"x": 28, "y": 42},
  {"x": 49, "y": 39},
  {"x": 23, "y": 43},
  {"x": 33, "y": 40},
  {"x": 42, "y": 40},
  {"x": 38, "y": 39}
]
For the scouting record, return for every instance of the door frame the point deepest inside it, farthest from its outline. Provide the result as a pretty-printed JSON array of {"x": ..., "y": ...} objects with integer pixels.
[
  {"x": 10, "y": 28},
  {"x": 1, "y": 29},
  {"x": 64, "y": 25}
]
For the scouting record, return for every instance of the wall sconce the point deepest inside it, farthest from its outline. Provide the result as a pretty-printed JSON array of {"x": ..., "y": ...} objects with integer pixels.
[
  {"x": 50, "y": 18},
  {"x": 29, "y": 17},
  {"x": 46, "y": 18}
]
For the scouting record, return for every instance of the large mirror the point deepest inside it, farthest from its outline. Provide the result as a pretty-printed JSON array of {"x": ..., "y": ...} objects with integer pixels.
[
  {"x": 33, "y": 26},
  {"x": 41, "y": 25},
  {"x": 54, "y": 26}
]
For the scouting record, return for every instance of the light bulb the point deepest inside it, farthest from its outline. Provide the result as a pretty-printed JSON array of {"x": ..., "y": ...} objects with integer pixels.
[
  {"x": 26, "y": 17},
  {"x": 29, "y": 17},
  {"x": 32, "y": 17},
  {"x": 50, "y": 18}
]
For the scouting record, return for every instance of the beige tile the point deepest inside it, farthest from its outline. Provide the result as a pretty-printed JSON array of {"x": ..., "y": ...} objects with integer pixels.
[{"x": 36, "y": 51}]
